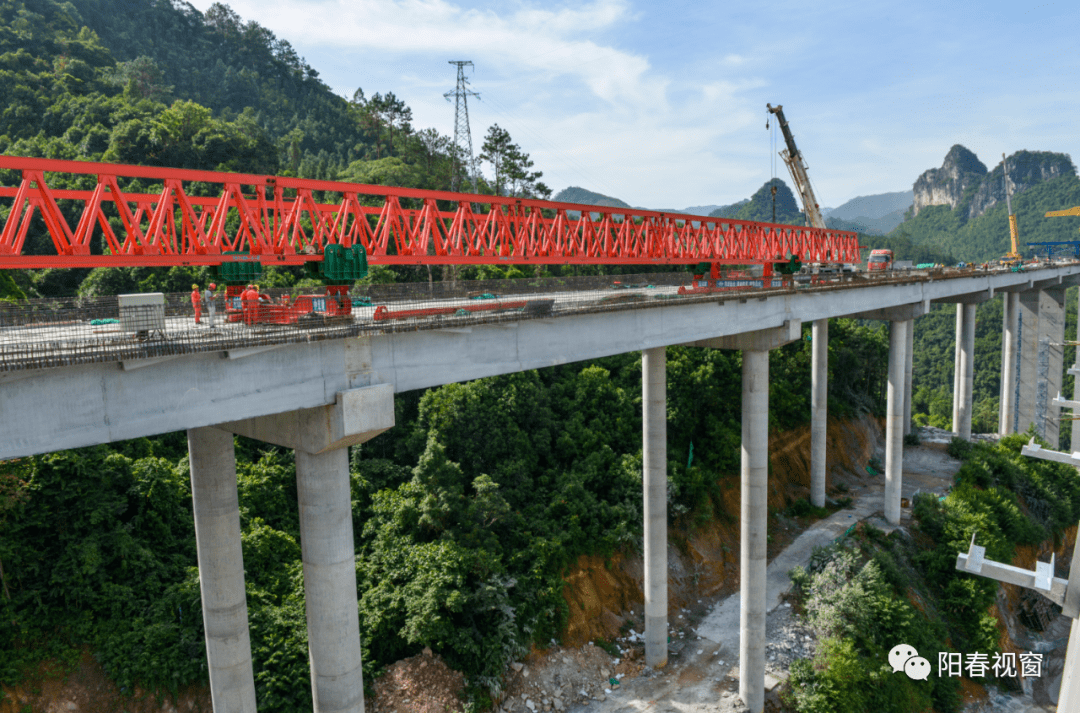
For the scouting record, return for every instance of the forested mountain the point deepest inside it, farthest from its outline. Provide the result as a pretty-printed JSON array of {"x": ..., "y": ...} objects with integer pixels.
[
  {"x": 760, "y": 206},
  {"x": 960, "y": 208},
  {"x": 873, "y": 207},
  {"x": 158, "y": 83},
  {"x": 574, "y": 194}
]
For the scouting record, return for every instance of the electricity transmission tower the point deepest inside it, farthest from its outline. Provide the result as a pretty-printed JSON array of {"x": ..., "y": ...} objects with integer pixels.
[{"x": 462, "y": 136}]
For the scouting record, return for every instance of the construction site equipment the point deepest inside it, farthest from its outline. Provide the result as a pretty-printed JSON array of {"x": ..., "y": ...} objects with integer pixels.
[
  {"x": 1066, "y": 248},
  {"x": 1013, "y": 257},
  {"x": 797, "y": 167},
  {"x": 279, "y": 220},
  {"x": 142, "y": 315},
  {"x": 1063, "y": 213}
]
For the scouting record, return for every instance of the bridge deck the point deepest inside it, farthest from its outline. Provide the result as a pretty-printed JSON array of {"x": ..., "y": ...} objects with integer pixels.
[{"x": 54, "y": 333}]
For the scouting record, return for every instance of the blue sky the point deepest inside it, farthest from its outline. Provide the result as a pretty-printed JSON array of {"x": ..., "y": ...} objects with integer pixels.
[{"x": 663, "y": 104}]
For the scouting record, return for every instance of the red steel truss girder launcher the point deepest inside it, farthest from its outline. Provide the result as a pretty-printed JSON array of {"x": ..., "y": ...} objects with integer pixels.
[{"x": 277, "y": 220}]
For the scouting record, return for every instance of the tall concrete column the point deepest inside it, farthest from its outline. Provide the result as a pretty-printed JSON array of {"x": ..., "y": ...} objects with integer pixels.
[
  {"x": 819, "y": 395},
  {"x": 1076, "y": 424},
  {"x": 957, "y": 371},
  {"x": 221, "y": 570},
  {"x": 967, "y": 369},
  {"x": 753, "y": 517},
  {"x": 1042, "y": 333},
  {"x": 909, "y": 365},
  {"x": 654, "y": 484},
  {"x": 1069, "y": 694},
  {"x": 753, "y": 527},
  {"x": 1010, "y": 303},
  {"x": 321, "y": 437},
  {"x": 894, "y": 432},
  {"x": 326, "y": 543}
]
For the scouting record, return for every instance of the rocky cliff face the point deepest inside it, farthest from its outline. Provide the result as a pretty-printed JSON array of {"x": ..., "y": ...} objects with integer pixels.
[
  {"x": 1026, "y": 168},
  {"x": 961, "y": 171},
  {"x": 963, "y": 181}
]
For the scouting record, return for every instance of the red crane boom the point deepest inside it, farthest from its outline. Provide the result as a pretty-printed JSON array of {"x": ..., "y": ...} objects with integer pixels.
[{"x": 277, "y": 220}]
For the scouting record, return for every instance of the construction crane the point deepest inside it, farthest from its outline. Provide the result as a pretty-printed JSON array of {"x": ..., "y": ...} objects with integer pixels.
[
  {"x": 797, "y": 166},
  {"x": 1012, "y": 258}
]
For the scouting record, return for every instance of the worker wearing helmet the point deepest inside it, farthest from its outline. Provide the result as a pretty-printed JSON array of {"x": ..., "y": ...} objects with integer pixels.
[
  {"x": 196, "y": 302},
  {"x": 249, "y": 299},
  {"x": 208, "y": 297}
]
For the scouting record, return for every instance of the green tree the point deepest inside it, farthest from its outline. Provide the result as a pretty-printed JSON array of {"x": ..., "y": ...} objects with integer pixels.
[{"x": 511, "y": 166}]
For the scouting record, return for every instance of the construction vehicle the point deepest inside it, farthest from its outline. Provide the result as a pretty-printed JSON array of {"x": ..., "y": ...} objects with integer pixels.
[
  {"x": 1013, "y": 258},
  {"x": 797, "y": 167},
  {"x": 794, "y": 160},
  {"x": 880, "y": 260}
]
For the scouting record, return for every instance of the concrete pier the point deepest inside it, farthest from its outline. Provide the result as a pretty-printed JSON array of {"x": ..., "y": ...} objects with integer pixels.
[
  {"x": 909, "y": 363},
  {"x": 754, "y": 511},
  {"x": 819, "y": 395},
  {"x": 966, "y": 369},
  {"x": 1010, "y": 303},
  {"x": 1075, "y": 432},
  {"x": 894, "y": 432},
  {"x": 320, "y": 437},
  {"x": 326, "y": 541},
  {"x": 957, "y": 370},
  {"x": 654, "y": 484},
  {"x": 221, "y": 569},
  {"x": 1069, "y": 694},
  {"x": 753, "y": 528},
  {"x": 1042, "y": 332}
]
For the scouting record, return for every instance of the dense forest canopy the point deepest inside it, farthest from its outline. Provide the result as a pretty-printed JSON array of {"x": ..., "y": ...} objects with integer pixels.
[{"x": 159, "y": 83}]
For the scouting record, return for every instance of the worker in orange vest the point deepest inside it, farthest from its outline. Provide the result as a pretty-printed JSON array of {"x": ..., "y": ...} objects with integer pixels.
[
  {"x": 196, "y": 302},
  {"x": 248, "y": 298}
]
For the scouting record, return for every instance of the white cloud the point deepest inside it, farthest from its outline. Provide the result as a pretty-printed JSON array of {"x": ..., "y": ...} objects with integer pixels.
[
  {"x": 666, "y": 107},
  {"x": 528, "y": 38},
  {"x": 589, "y": 107}
]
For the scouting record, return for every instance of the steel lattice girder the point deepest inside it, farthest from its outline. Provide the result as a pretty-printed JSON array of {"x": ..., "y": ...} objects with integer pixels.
[{"x": 277, "y": 220}]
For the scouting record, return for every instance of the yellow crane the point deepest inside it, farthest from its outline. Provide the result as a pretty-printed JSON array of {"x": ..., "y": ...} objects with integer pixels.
[
  {"x": 1012, "y": 258},
  {"x": 1061, "y": 213}
]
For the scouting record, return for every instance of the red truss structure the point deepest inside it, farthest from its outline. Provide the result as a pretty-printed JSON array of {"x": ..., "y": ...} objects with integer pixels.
[{"x": 281, "y": 220}]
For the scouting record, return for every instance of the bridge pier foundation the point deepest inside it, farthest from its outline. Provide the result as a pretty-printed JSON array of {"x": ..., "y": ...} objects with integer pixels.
[
  {"x": 320, "y": 437},
  {"x": 326, "y": 542},
  {"x": 654, "y": 484},
  {"x": 894, "y": 431},
  {"x": 1075, "y": 432},
  {"x": 819, "y": 396},
  {"x": 753, "y": 527},
  {"x": 957, "y": 371},
  {"x": 1042, "y": 331},
  {"x": 1010, "y": 303},
  {"x": 754, "y": 510},
  {"x": 902, "y": 321},
  {"x": 221, "y": 569},
  {"x": 966, "y": 369},
  {"x": 909, "y": 360}
]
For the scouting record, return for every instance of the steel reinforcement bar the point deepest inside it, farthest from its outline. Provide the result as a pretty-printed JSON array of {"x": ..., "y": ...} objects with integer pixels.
[{"x": 282, "y": 220}]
